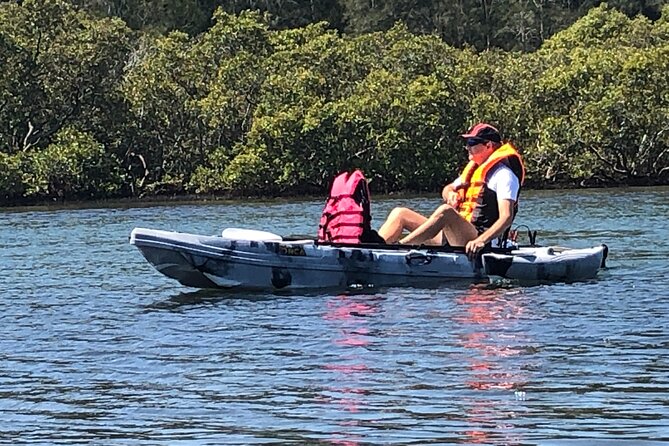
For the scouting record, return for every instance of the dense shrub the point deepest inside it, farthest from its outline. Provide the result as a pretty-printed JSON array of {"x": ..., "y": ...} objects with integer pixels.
[
  {"x": 89, "y": 108},
  {"x": 74, "y": 166}
]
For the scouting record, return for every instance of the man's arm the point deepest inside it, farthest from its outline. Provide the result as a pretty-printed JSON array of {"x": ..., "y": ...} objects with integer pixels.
[{"x": 450, "y": 195}]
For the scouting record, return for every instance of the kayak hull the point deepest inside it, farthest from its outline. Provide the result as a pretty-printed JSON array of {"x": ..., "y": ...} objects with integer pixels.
[
  {"x": 546, "y": 264},
  {"x": 201, "y": 261}
]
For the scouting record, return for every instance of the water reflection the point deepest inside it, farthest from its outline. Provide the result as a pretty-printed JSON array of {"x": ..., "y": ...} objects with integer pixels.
[
  {"x": 484, "y": 335},
  {"x": 206, "y": 297},
  {"x": 492, "y": 338},
  {"x": 487, "y": 315},
  {"x": 349, "y": 315},
  {"x": 184, "y": 300}
]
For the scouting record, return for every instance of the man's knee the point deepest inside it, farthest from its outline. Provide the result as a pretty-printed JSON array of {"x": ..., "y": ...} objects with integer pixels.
[
  {"x": 444, "y": 212},
  {"x": 398, "y": 213}
]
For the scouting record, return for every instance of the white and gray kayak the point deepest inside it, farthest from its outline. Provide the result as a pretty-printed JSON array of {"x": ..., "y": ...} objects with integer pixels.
[{"x": 259, "y": 260}]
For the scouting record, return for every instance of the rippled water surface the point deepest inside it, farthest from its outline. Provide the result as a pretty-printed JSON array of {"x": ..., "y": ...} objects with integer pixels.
[{"x": 96, "y": 347}]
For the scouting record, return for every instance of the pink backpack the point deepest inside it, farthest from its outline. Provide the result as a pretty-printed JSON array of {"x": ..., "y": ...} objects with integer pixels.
[{"x": 347, "y": 214}]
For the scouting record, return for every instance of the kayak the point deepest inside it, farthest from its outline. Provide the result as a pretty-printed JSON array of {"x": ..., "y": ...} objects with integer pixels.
[{"x": 260, "y": 260}]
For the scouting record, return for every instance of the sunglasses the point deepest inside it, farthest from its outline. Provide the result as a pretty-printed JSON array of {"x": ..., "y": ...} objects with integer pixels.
[{"x": 471, "y": 142}]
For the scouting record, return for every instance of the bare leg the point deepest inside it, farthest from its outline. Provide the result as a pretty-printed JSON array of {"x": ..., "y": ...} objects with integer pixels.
[
  {"x": 457, "y": 230},
  {"x": 398, "y": 220}
]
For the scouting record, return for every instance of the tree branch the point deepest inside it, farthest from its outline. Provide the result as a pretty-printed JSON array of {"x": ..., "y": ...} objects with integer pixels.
[
  {"x": 146, "y": 169},
  {"x": 658, "y": 159},
  {"x": 26, "y": 144},
  {"x": 613, "y": 166}
]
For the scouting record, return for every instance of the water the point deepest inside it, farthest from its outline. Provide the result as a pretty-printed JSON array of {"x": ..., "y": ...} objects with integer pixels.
[{"x": 96, "y": 347}]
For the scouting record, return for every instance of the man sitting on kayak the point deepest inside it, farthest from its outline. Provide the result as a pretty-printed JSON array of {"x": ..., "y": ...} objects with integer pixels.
[{"x": 479, "y": 205}]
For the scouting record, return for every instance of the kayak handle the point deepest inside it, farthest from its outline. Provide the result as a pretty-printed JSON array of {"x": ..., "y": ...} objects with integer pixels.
[{"x": 418, "y": 259}]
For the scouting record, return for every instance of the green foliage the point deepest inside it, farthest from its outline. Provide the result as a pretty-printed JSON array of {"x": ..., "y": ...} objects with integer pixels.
[
  {"x": 74, "y": 166},
  {"x": 189, "y": 95},
  {"x": 89, "y": 108},
  {"x": 403, "y": 130},
  {"x": 331, "y": 104},
  {"x": 286, "y": 15},
  {"x": 601, "y": 103},
  {"x": 249, "y": 173},
  {"x": 11, "y": 177},
  {"x": 602, "y": 27},
  {"x": 629, "y": 114},
  {"x": 208, "y": 178},
  {"x": 505, "y": 24},
  {"x": 60, "y": 68},
  {"x": 482, "y": 24},
  {"x": 154, "y": 16}
]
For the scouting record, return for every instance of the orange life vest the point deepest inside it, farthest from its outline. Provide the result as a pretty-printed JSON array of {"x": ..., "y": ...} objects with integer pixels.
[{"x": 478, "y": 204}]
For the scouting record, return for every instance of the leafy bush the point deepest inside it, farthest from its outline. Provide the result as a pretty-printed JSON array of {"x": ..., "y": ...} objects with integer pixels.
[
  {"x": 74, "y": 166},
  {"x": 11, "y": 179},
  {"x": 242, "y": 108}
]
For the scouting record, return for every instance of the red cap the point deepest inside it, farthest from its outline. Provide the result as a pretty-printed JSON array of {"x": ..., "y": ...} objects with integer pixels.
[{"x": 483, "y": 131}]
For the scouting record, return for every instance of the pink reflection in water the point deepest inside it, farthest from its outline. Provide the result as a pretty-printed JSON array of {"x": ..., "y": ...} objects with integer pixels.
[
  {"x": 350, "y": 316},
  {"x": 484, "y": 317}
]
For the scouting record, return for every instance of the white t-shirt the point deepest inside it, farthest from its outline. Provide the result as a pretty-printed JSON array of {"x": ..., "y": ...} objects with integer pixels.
[{"x": 503, "y": 181}]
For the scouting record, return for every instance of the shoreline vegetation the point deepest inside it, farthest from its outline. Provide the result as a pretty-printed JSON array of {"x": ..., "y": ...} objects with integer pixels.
[
  {"x": 247, "y": 105},
  {"x": 187, "y": 199}
]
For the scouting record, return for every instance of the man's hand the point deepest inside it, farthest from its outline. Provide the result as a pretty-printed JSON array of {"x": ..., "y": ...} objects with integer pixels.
[
  {"x": 473, "y": 247},
  {"x": 452, "y": 198}
]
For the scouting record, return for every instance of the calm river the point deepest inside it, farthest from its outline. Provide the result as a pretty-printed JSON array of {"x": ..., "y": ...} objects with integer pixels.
[{"x": 96, "y": 347}]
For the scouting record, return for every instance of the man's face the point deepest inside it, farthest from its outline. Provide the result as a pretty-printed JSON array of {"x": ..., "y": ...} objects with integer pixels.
[{"x": 478, "y": 149}]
